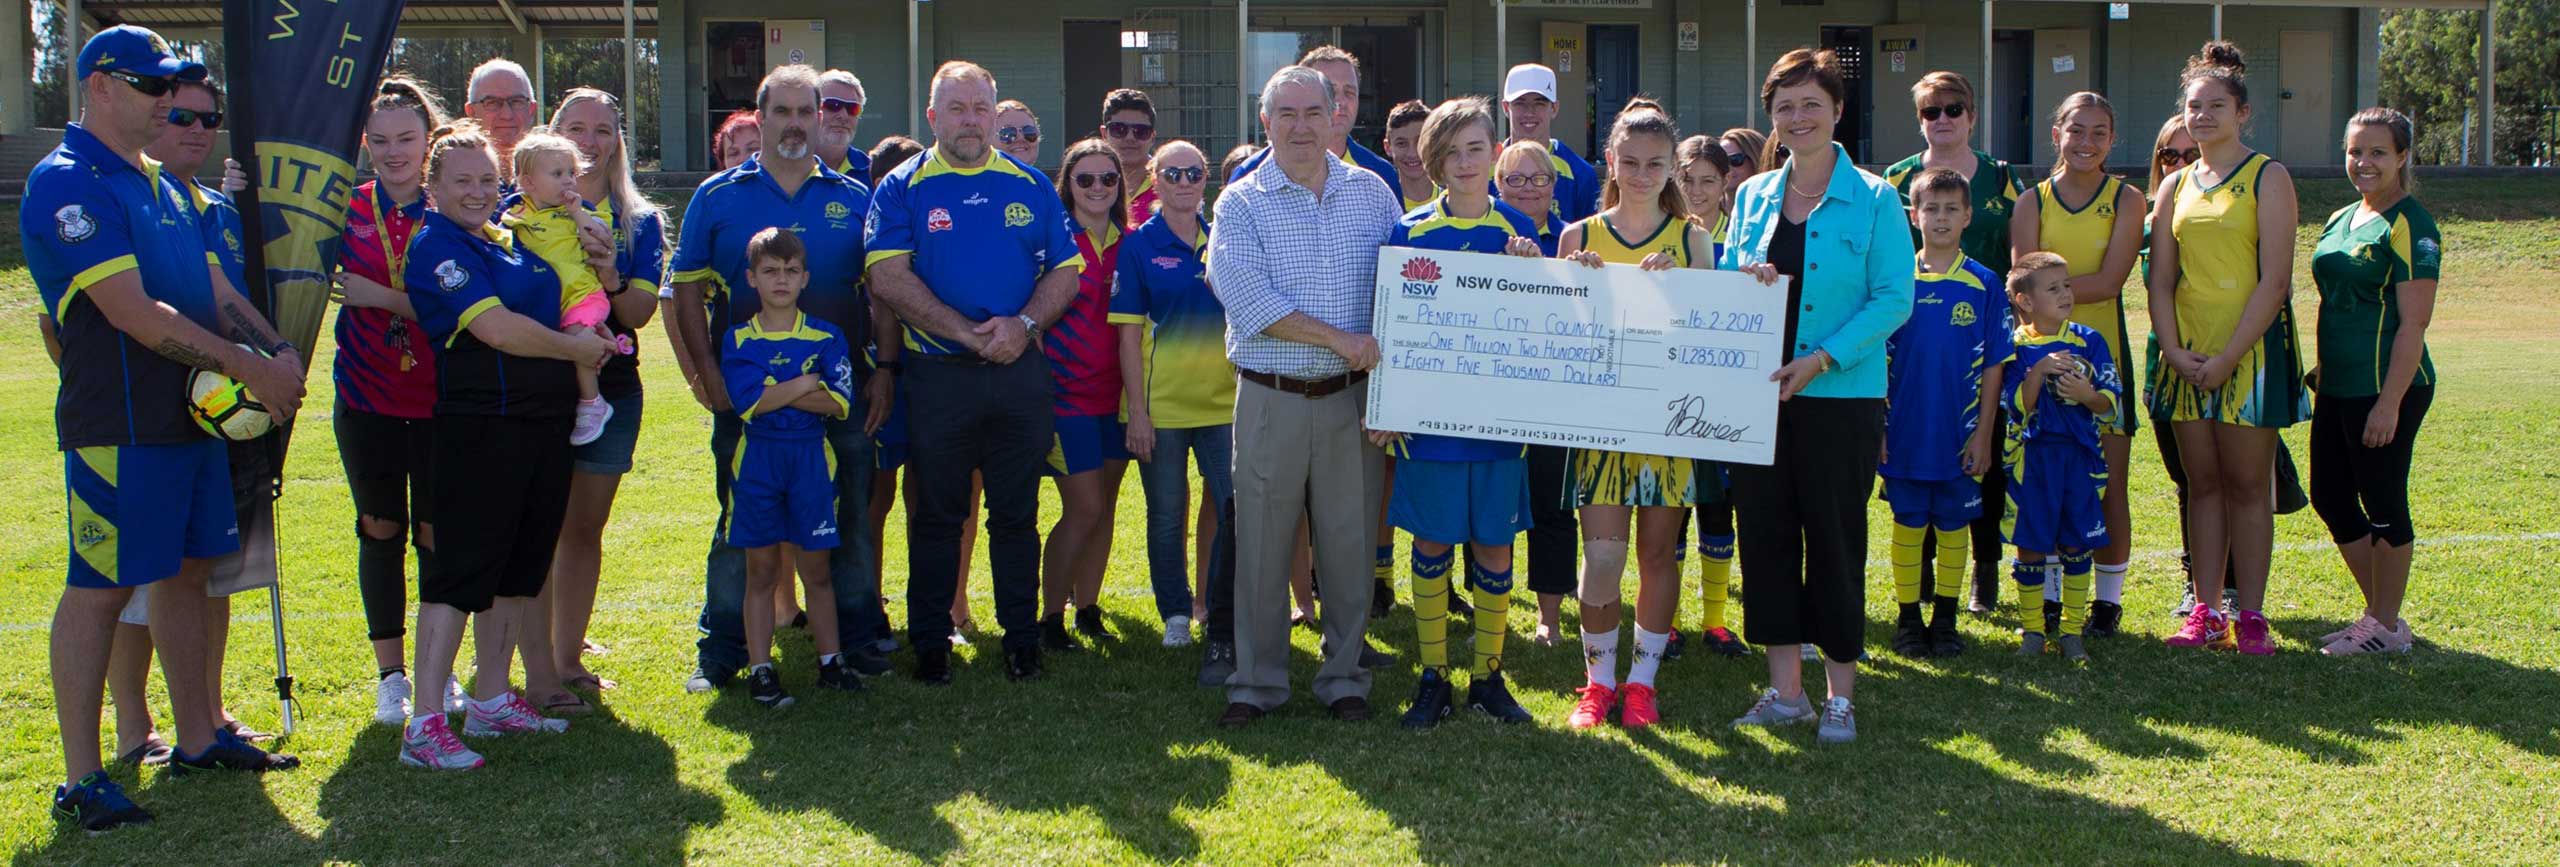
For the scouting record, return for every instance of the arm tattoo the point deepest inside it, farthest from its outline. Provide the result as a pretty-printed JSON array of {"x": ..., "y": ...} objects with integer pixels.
[
  {"x": 184, "y": 353},
  {"x": 244, "y": 328}
]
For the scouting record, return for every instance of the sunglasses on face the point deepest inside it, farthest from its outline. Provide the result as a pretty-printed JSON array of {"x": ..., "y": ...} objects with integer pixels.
[
  {"x": 1124, "y": 129},
  {"x": 1734, "y": 157},
  {"x": 2180, "y": 156},
  {"x": 1107, "y": 179},
  {"x": 144, "y": 85},
  {"x": 1011, "y": 134},
  {"x": 1520, "y": 181},
  {"x": 1950, "y": 111},
  {"x": 503, "y": 103},
  {"x": 832, "y": 105},
  {"x": 188, "y": 117},
  {"x": 1182, "y": 175}
]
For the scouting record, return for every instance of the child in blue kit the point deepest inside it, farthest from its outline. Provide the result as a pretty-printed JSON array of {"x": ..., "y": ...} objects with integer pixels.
[
  {"x": 1942, "y": 398},
  {"x": 787, "y": 374},
  {"x": 2063, "y": 386}
]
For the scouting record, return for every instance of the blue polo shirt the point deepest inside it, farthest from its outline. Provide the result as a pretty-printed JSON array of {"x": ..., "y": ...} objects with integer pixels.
[
  {"x": 1163, "y": 284},
  {"x": 856, "y": 164},
  {"x": 1432, "y": 227},
  {"x": 753, "y": 359},
  {"x": 1959, "y": 328},
  {"x": 219, "y": 219},
  {"x": 1355, "y": 155},
  {"x": 88, "y": 215},
  {"x": 732, "y": 206},
  {"x": 457, "y": 273},
  {"x": 979, "y": 238}
]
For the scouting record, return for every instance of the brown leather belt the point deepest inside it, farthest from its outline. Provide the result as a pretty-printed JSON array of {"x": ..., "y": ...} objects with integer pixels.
[{"x": 1307, "y": 388}]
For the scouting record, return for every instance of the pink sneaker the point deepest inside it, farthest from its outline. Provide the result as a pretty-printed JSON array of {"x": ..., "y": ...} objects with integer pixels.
[
  {"x": 1636, "y": 709},
  {"x": 2204, "y": 628},
  {"x": 592, "y": 414},
  {"x": 2254, "y": 639},
  {"x": 428, "y": 742},
  {"x": 512, "y": 717},
  {"x": 1593, "y": 709},
  {"x": 2363, "y": 636}
]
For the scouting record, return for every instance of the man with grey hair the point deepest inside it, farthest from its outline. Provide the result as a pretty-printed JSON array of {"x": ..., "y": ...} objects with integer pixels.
[
  {"x": 840, "y": 99},
  {"x": 1294, "y": 261},
  {"x": 501, "y": 99}
]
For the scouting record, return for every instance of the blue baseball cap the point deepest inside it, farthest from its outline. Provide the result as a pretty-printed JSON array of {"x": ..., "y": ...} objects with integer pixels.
[{"x": 126, "y": 48}]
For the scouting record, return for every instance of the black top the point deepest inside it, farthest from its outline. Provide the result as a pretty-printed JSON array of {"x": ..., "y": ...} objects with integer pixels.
[{"x": 1786, "y": 253}]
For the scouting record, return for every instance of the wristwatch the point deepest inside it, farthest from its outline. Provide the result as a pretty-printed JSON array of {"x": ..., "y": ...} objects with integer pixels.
[
  {"x": 893, "y": 367},
  {"x": 1030, "y": 326}
]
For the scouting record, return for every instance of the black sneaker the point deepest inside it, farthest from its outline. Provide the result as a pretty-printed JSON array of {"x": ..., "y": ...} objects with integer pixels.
[
  {"x": 1217, "y": 661},
  {"x": 766, "y": 688},
  {"x": 1458, "y": 603},
  {"x": 837, "y": 676},
  {"x": 1986, "y": 589},
  {"x": 1493, "y": 697},
  {"x": 1382, "y": 599},
  {"x": 2105, "y": 618},
  {"x": 1677, "y": 647},
  {"x": 1910, "y": 639},
  {"x": 1089, "y": 623},
  {"x": 1022, "y": 663},
  {"x": 2052, "y": 617},
  {"x": 230, "y": 753},
  {"x": 2187, "y": 600},
  {"x": 1944, "y": 641},
  {"x": 96, "y": 804},
  {"x": 1430, "y": 701},
  {"x": 867, "y": 664},
  {"x": 1053, "y": 635},
  {"x": 933, "y": 663}
]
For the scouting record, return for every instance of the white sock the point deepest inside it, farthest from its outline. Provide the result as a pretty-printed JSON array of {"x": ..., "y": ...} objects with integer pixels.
[
  {"x": 1600, "y": 657},
  {"x": 2053, "y": 580},
  {"x": 2111, "y": 581},
  {"x": 1649, "y": 648}
]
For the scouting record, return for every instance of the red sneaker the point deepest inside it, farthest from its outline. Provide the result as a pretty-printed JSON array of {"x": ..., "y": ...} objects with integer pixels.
[
  {"x": 1638, "y": 710},
  {"x": 2254, "y": 638},
  {"x": 1594, "y": 707},
  {"x": 2204, "y": 628}
]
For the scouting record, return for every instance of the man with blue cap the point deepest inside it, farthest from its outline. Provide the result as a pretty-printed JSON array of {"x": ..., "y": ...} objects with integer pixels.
[{"x": 134, "y": 302}]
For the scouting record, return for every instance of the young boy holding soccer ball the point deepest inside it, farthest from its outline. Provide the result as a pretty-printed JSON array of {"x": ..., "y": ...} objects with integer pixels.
[{"x": 2061, "y": 385}]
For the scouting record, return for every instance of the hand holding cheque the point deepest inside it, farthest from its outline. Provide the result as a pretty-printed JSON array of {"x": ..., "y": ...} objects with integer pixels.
[{"x": 1672, "y": 362}]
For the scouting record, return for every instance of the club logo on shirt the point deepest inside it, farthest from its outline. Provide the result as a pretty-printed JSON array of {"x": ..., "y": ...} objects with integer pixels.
[
  {"x": 2107, "y": 210},
  {"x": 1017, "y": 215},
  {"x": 1961, "y": 314},
  {"x": 74, "y": 224},
  {"x": 92, "y": 534},
  {"x": 838, "y": 211},
  {"x": 937, "y": 220},
  {"x": 449, "y": 276},
  {"x": 232, "y": 238}
]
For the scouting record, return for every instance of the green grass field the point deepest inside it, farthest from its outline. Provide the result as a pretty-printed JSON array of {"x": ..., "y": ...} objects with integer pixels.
[{"x": 2450, "y": 754}]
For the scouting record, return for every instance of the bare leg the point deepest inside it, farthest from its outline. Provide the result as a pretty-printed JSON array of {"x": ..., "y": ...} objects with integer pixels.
[
  {"x": 217, "y": 640},
  {"x": 439, "y": 641},
  {"x": 2248, "y": 497},
  {"x": 178, "y": 629},
  {"x": 577, "y": 566},
  {"x": 2208, "y": 534},
  {"x": 2390, "y": 581},
  {"x": 1604, "y": 524},
  {"x": 817, "y": 580},
  {"x": 1093, "y": 555},
  {"x": 128, "y": 683},
  {"x": 764, "y": 566},
  {"x": 1080, "y": 510},
  {"x": 83, "y": 636},
  {"x": 1658, "y": 540},
  {"x": 493, "y": 640}
]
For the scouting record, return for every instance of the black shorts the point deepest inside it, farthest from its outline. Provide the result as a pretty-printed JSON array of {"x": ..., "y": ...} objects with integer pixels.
[
  {"x": 388, "y": 461},
  {"x": 503, "y": 496}
]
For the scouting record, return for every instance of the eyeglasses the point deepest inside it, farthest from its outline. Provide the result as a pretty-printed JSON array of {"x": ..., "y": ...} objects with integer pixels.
[
  {"x": 832, "y": 105},
  {"x": 1107, "y": 179},
  {"x": 1182, "y": 174},
  {"x": 143, "y": 85},
  {"x": 188, "y": 117},
  {"x": 1524, "y": 181},
  {"x": 503, "y": 103},
  {"x": 2178, "y": 155},
  {"x": 1008, "y": 134},
  {"x": 1951, "y": 111},
  {"x": 1124, "y": 129}
]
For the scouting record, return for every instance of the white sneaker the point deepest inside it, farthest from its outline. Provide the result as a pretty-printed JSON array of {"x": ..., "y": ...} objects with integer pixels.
[
  {"x": 592, "y": 414},
  {"x": 429, "y": 743},
  {"x": 512, "y": 716},
  {"x": 455, "y": 699},
  {"x": 1839, "y": 722},
  {"x": 1812, "y": 653},
  {"x": 391, "y": 700},
  {"x": 1177, "y": 631}
]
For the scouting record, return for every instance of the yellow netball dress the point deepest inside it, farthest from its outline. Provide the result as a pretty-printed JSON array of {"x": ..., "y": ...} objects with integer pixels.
[
  {"x": 2217, "y": 232},
  {"x": 2080, "y": 235},
  {"x": 1601, "y": 478}
]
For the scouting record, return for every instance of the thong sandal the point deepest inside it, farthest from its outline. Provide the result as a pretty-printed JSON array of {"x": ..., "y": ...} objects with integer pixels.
[
  {"x": 566, "y": 703},
  {"x": 589, "y": 682},
  {"x": 152, "y": 753},
  {"x": 246, "y": 733}
]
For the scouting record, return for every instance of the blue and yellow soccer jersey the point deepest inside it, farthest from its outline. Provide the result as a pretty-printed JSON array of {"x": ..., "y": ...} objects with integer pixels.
[
  {"x": 1550, "y": 229},
  {"x": 1959, "y": 328},
  {"x": 1432, "y": 227},
  {"x": 456, "y": 273},
  {"x": 88, "y": 215},
  {"x": 732, "y": 206},
  {"x": 552, "y": 233},
  {"x": 753, "y": 359},
  {"x": 1163, "y": 283},
  {"x": 2054, "y": 421},
  {"x": 219, "y": 218},
  {"x": 979, "y": 238}
]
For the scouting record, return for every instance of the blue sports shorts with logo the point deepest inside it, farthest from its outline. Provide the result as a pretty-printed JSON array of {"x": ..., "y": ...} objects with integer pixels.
[
  {"x": 785, "y": 492},
  {"x": 2054, "y": 500},
  {"x": 1461, "y": 502},
  {"x": 1947, "y": 504},
  {"x": 136, "y": 511}
]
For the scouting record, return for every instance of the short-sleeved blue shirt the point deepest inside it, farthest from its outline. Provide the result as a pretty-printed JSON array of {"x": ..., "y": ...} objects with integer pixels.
[
  {"x": 1163, "y": 284},
  {"x": 732, "y": 206},
  {"x": 753, "y": 359},
  {"x": 1959, "y": 329},
  {"x": 219, "y": 218},
  {"x": 1432, "y": 227},
  {"x": 2054, "y": 421},
  {"x": 980, "y": 238},
  {"x": 454, "y": 275},
  {"x": 88, "y": 215}
]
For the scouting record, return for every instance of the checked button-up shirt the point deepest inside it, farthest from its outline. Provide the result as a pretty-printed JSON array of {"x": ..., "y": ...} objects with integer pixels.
[{"x": 1279, "y": 249}]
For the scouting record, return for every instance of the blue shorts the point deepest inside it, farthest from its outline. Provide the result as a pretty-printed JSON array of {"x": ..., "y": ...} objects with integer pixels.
[
  {"x": 889, "y": 443},
  {"x": 1084, "y": 442},
  {"x": 2055, "y": 495},
  {"x": 136, "y": 511},
  {"x": 1947, "y": 504},
  {"x": 785, "y": 492},
  {"x": 610, "y": 453},
  {"x": 1453, "y": 502}
]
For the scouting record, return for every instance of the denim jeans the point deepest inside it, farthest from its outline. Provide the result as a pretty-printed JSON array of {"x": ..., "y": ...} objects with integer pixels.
[
  {"x": 722, "y": 651},
  {"x": 1167, "y": 481}
]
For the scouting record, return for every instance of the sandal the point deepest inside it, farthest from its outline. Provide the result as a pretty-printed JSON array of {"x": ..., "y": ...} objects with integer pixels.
[
  {"x": 246, "y": 733},
  {"x": 152, "y": 753},
  {"x": 591, "y": 648},
  {"x": 589, "y": 682},
  {"x": 566, "y": 703}
]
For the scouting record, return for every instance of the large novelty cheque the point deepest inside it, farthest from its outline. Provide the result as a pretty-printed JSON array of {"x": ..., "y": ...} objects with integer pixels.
[{"x": 1550, "y": 352}]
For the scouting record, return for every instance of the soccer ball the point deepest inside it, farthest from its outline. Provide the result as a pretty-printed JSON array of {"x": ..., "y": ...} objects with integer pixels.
[{"x": 225, "y": 408}]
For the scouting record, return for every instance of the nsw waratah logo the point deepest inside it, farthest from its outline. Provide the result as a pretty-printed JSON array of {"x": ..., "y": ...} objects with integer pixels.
[{"x": 1421, "y": 278}]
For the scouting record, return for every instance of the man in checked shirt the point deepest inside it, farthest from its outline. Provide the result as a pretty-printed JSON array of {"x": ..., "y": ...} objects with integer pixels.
[{"x": 1294, "y": 261}]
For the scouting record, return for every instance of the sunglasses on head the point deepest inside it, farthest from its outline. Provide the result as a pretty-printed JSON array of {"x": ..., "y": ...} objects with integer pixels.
[
  {"x": 1525, "y": 181},
  {"x": 1009, "y": 134},
  {"x": 189, "y": 117},
  {"x": 2178, "y": 155},
  {"x": 144, "y": 85},
  {"x": 832, "y": 105},
  {"x": 1182, "y": 174},
  {"x": 1950, "y": 111},
  {"x": 1124, "y": 129},
  {"x": 1108, "y": 179}
]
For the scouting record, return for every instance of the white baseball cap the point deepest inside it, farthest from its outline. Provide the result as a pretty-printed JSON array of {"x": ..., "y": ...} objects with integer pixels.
[{"x": 1528, "y": 78}]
